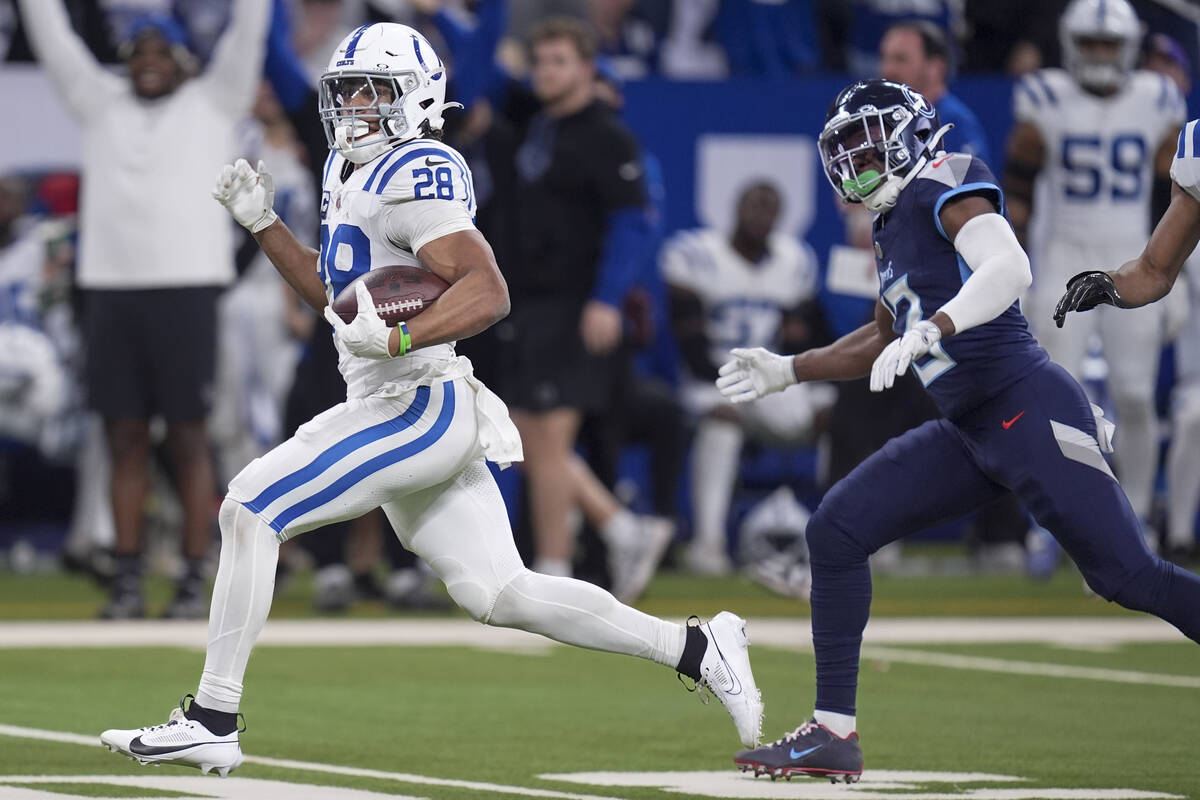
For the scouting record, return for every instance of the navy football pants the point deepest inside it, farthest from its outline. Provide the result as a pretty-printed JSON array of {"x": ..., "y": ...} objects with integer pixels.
[{"x": 1037, "y": 439}]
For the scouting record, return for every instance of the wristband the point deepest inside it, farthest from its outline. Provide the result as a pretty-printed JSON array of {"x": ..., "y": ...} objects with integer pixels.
[{"x": 405, "y": 339}]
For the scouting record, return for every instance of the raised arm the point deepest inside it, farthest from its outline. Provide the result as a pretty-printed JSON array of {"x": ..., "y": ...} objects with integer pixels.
[
  {"x": 236, "y": 66},
  {"x": 81, "y": 81}
]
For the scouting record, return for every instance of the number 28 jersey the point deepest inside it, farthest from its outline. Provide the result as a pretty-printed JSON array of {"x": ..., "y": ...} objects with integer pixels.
[
  {"x": 381, "y": 214},
  {"x": 1095, "y": 181},
  {"x": 919, "y": 271}
]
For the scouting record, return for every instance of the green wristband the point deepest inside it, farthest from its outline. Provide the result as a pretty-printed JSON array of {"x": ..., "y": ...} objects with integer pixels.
[{"x": 405, "y": 340}]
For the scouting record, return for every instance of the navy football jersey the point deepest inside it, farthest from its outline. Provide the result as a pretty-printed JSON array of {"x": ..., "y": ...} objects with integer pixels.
[{"x": 919, "y": 270}]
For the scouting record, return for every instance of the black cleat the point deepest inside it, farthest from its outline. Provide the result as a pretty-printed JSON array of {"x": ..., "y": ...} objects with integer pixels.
[{"x": 812, "y": 750}]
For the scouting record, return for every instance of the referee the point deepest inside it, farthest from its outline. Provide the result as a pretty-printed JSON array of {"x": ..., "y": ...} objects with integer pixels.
[
  {"x": 581, "y": 236},
  {"x": 155, "y": 251}
]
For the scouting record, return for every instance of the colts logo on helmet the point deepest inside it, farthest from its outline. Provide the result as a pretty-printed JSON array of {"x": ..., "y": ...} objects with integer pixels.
[{"x": 918, "y": 102}]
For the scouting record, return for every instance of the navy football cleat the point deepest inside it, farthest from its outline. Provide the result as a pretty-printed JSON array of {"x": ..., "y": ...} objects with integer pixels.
[{"x": 812, "y": 750}]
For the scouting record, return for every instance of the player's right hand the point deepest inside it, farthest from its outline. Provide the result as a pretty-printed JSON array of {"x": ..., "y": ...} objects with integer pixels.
[
  {"x": 248, "y": 193},
  {"x": 753, "y": 373},
  {"x": 1084, "y": 292}
]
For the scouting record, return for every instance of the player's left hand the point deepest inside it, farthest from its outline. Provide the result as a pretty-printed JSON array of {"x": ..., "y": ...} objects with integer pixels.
[
  {"x": 367, "y": 336},
  {"x": 1084, "y": 292},
  {"x": 900, "y": 353}
]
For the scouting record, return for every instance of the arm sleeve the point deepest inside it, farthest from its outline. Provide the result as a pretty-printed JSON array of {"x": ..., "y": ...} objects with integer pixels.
[
  {"x": 283, "y": 67},
  {"x": 237, "y": 62},
  {"x": 84, "y": 85},
  {"x": 409, "y": 226},
  {"x": 627, "y": 245},
  {"x": 999, "y": 272}
]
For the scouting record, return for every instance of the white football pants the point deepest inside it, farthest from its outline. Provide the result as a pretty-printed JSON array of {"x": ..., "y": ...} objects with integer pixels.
[
  {"x": 417, "y": 455},
  {"x": 1132, "y": 339}
]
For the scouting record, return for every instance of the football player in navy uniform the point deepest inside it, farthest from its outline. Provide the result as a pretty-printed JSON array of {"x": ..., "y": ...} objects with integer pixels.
[{"x": 950, "y": 272}]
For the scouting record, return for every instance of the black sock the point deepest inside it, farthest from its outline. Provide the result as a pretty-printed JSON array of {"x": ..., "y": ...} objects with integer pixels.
[
  {"x": 128, "y": 574},
  {"x": 218, "y": 722},
  {"x": 693, "y": 652}
]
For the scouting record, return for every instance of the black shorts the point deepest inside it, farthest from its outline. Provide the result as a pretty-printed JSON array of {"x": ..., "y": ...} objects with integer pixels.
[
  {"x": 545, "y": 363},
  {"x": 151, "y": 352}
]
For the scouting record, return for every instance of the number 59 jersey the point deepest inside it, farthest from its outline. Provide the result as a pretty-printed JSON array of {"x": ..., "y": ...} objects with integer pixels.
[
  {"x": 1096, "y": 178},
  {"x": 382, "y": 213}
]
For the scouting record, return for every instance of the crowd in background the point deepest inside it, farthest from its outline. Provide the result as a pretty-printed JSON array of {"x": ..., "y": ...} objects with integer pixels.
[{"x": 618, "y": 325}]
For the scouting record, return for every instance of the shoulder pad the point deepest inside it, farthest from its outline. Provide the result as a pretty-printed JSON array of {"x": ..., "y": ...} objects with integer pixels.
[{"x": 422, "y": 169}]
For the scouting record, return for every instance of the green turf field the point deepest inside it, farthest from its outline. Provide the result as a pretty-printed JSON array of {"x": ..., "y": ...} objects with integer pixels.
[{"x": 463, "y": 722}]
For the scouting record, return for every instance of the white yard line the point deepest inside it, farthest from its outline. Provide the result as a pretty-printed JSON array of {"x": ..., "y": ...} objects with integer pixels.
[
  {"x": 1040, "y": 669},
  {"x": 772, "y": 632},
  {"x": 312, "y": 766}
]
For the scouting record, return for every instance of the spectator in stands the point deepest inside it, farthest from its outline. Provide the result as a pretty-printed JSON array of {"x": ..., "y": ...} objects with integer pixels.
[
  {"x": 751, "y": 288},
  {"x": 916, "y": 53},
  {"x": 850, "y": 31},
  {"x": 582, "y": 234},
  {"x": 766, "y": 39},
  {"x": 155, "y": 251}
]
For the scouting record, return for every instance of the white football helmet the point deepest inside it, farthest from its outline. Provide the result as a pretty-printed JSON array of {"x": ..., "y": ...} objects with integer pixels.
[
  {"x": 387, "y": 74},
  {"x": 1110, "y": 20}
]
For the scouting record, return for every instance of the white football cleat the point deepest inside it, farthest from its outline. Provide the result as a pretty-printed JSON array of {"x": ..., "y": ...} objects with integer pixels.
[
  {"x": 180, "y": 741},
  {"x": 725, "y": 671},
  {"x": 634, "y": 557}
]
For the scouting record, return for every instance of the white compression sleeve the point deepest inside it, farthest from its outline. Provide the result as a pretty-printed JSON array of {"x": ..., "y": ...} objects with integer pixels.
[{"x": 999, "y": 267}]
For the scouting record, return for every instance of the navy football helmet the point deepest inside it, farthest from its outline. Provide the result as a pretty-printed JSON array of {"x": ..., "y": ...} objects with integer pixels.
[{"x": 878, "y": 134}]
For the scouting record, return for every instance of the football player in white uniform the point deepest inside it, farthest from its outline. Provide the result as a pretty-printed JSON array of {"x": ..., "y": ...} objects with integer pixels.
[
  {"x": 1148, "y": 278},
  {"x": 1098, "y": 136},
  {"x": 732, "y": 289},
  {"x": 416, "y": 427}
]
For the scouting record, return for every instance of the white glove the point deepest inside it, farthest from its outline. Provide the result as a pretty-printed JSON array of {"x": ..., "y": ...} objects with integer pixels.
[
  {"x": 249, "y": 194},
  {"x": 900, "y": 353},
  {"x": 753, "y": 373},
  {"x": 368, "y": 335}
]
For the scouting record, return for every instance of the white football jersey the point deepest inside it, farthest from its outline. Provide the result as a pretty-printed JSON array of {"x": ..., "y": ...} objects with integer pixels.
[
  {"x": 1185, "y": 169},
  {"x": 743, "y": 302},
  {"x": 1095, "y": 183},
  {"x": 382, "y": 214}
]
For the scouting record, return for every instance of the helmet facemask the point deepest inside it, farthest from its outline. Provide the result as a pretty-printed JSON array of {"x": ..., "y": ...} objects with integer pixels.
[
  {"x": 1100, "y": 73},
  {"x": 866, "y": 155},
  {"x": 362, "y": 112}
]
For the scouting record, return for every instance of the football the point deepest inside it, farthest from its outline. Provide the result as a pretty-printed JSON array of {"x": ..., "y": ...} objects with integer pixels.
[{"x": 400, "y": 292}]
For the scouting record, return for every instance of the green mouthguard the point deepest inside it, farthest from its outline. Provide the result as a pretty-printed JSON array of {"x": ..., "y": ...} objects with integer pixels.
[{"x": 864, "y": 184}]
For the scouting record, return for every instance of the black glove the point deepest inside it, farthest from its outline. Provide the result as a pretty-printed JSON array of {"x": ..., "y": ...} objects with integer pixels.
[{"x": 1084, "y": 292}]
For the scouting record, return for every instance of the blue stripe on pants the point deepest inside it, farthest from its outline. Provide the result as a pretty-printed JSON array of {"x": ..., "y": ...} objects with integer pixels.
[
  {"x": 373, "y": 465},
  {"x": 337, "y": 452}
]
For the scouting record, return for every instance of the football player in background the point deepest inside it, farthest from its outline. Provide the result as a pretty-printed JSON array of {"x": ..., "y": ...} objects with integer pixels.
[
  {"x": 417, "y": 426},
  {"x": 744, "y": 288},
  {"x": 1097, "y": 140},
  {"x": 950, "y": 273},
  {"x": 1149, "y": 278}
]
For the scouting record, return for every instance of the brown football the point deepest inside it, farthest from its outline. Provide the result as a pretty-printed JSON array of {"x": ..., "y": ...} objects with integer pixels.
[{"x": 400, "y": 292}]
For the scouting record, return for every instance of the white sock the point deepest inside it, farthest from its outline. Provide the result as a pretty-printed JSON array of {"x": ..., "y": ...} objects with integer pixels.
[
  {"x": 241, "y": 602},
  {"x": 842, "y": 725},
  {"x": 579, "y": 613},
  {"x": 558, "y": 567},
  {"x": 715, "y": 453}
]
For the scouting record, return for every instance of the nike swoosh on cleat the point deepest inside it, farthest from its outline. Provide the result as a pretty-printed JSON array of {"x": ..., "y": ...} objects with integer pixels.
[
  {"x": 793, "y": 754},
  {"x": 138, "y": 748}
]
